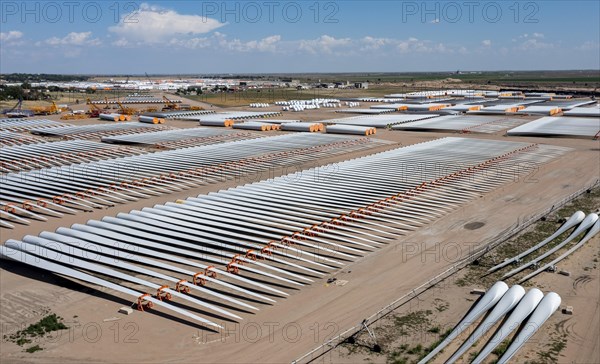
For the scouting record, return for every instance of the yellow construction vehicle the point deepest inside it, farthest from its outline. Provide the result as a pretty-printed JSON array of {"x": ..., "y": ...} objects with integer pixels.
[
  {"x": 46, "y": 110},
  {"x": 169, "y": 105},
  {"x": 94, "y": 110},
  {"x": 74, "y": 116},
  {"x": 127, "y": 110}
]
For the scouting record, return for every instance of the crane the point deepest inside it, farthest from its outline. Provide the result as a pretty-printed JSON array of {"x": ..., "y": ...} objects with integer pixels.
[
  {"x": 126, "y": 110},
  {"x": 94, "y": 110},
  {"x": 169, "y": 105},
  {"x": 17, "y": 110},
  {"x": 46, "y": 110}
]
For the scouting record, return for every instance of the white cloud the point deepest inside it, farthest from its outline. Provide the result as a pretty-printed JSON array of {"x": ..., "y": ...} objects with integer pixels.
[
  {"x": 151, "y": 24},
  {"x": 73, "y": 39},
  {"x": 192, "y": 43},
  {"x": 343, "y": 46},
  {"x": 11, "y": 36},
  {"x": 534, "y": 44},
  {"x": 265, "y": 44},
  {"x": 486, "y": 43},
  {"x": 414, "y": 45},
  {"x": 588, "y": 46},
  {"x": 122, "y": 42},
  {"x": 529, "y": 36},
  {"x": 370, "y": 43},
  {"x": 532, "y": 41},
  {"x": 220, "y": 41},
  {"x": 324, "y": 44}
]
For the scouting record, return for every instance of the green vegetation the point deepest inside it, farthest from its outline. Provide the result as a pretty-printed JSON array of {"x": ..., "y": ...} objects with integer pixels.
[
  {"x": 33, "y": 349},
  {"x": 401, "y": 360},
  {"x": 46, "y": 325},
  {"x": 405, "y": 353},
  {"x": 473, "y": 355},
  {"x": 22, "y": 341},
  {"x": 433, "y": 345},
  {"x": 393, "y": 329},
  {"x": 500, "y": 349},
  {"x": 551, "y": 355},
  {"x": 441, "y": 305},
  {"x": 21, "y": 92},
  {"x": 416, "y": 350},
  {"x": 412, "y": 321},
  {"x": 40, "y": 77}
]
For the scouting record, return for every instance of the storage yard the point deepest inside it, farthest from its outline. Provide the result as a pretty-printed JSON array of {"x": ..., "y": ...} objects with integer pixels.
[{"x": 303, "y": 230}]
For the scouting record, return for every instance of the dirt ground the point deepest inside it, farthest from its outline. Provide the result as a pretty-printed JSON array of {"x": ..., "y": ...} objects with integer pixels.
[
  {"x": 293, "y": 326},
  {"x": 405, "y": 334}
]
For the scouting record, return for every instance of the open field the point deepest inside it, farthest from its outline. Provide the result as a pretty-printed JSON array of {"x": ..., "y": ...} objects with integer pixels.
[
  {"x": 294, "y": 325},
  {"x": 68, "y": 98},
  {"x": 586, "y": 81},
  {"x": 243, "y": 98},
  {"x": 479, "y": 77}
]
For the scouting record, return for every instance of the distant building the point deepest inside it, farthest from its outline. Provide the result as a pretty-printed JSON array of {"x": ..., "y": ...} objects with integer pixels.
[{"x": 362, "y": 85}]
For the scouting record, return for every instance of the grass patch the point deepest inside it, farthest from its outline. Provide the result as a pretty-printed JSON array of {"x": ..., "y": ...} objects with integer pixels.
[
  {"x": 402, "y": 360},
  {"x": 555, "y": 347},
  {"x": 397, "y": 356},
  {"x": 22, "y": 341},
  {"x": 413, "y": 319},
  {"x": 46, "y": 325},
  {"x": 33, "y": 349},
  {"x": 395, "y": 337},
  {"x": 433, "y": 345},
  {"x": 500, "y": 349},
  {"x": 416, "y": 350},
  {"x": 440, "y": 305}
]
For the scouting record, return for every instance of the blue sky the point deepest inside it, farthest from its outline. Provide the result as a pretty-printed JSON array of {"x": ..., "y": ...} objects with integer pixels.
[{"x": 130, "y": 37}]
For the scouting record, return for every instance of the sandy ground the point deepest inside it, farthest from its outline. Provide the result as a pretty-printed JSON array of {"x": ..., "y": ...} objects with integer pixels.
[
  {"x": 295, "y": 325},
  {"x": 448, "y": 301}
]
